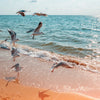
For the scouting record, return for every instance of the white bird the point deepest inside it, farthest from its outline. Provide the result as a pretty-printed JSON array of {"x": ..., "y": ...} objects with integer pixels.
[
  {"x": 14, "y": 53},
  {"x": 13, "y": 36},
  {"x": 36, "y": 31},
  {"x": 63, "y": 64}
]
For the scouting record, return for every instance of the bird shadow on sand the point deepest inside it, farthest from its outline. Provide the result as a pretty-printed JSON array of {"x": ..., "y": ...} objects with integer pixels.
[
  {"x": 42, "y": 95},
  {"x": 5, "y": 98}
]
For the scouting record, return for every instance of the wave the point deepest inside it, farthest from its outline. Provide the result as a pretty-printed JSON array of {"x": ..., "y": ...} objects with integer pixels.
[
  {"x": 68, "y": 50},
  {"x": 86, "y": 63},
  {"x": 84, "y": 29},
  {"x": 88, "y": 29}
]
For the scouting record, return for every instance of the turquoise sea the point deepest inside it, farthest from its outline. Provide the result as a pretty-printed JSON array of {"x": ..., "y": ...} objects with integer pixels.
[{"x": 72, "y": 35}]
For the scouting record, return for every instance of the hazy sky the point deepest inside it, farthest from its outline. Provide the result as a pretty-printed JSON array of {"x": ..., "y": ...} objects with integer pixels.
[{"x": 54, "y": 7}]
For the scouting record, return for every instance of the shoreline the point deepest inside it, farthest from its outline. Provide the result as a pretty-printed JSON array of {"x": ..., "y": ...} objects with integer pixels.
[{"x": 36, "y": 72}]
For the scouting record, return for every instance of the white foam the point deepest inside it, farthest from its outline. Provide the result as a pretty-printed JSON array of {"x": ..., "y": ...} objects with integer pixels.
[{"x": 87, "y": 62}]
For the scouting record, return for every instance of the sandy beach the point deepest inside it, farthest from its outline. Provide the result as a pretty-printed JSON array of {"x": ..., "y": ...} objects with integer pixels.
[
  {"x": 36, "y": 82},
  {"x": 18, "y": 92}
]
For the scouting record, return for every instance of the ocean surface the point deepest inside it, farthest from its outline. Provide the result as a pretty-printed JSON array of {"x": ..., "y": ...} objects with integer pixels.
[{"x": 63, "y": 34}]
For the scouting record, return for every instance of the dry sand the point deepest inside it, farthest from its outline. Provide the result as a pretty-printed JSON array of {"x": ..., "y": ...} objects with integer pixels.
[{"x": 36, "y": 73}]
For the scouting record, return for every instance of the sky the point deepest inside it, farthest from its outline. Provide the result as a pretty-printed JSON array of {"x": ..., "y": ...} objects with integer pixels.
[{"x": 51, "y": 7}]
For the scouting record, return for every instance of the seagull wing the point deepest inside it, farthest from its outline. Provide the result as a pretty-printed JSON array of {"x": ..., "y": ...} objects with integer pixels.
[
  {"x": 38, "y": 28},
  {"x": 22, "y": 13},
  {"x": 12, "y": 34},
  {"x": 30, "y": 31}
]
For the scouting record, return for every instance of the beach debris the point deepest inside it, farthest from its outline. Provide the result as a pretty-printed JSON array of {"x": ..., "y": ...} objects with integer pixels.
[
  {"x": 21, "y": 12},
  {"x": 36, "y": 31},
  {"x": 63, "y": 64},
  {"x": 14, "y": 53},
  {"x": 13, "y": 36},
  {"x": 40, "y": 14}
]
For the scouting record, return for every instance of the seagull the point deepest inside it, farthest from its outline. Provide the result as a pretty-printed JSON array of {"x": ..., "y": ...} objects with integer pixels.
[
  {"x": 21, "y": 12},
  {"x": 13, "y": 36},
  {"x": 3, "y": 41},
  {"x": 4, "y": 45},
  {"x": 64, "y": 64},
  {"x": 9, "y": 79},
  {"x": 14, "y": 53},
  {"x": 40, "y": 14},
  {"x": 36, "y": 31},
  {"x": 17, "y": 67}
]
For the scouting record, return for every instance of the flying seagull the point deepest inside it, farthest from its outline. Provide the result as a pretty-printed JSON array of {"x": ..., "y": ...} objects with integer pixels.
[
  {"x": 13, "y": 36},
  {"x": 63, "y": 64},
  {"x": 17, "y": 67},
  {"x": 40, "y": 14},
  {"x": 37, "y": 30},
  {"x": 14, "y": 53},
  {"x": 21, "y": 12}
]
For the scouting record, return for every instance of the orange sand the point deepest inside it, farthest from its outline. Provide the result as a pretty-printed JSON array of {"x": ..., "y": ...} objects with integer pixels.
[
  {"x": 16, "y": 91},
  {"x": 37, "y": 71}
]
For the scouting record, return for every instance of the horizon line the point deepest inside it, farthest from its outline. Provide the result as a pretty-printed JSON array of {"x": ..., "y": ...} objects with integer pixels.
[{"x": 54, "y": 14}]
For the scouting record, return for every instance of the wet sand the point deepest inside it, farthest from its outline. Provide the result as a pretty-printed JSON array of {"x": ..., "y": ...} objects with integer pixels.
[
  {"x": 36, "y": 73},
  {"x": 16, "y": 91}
]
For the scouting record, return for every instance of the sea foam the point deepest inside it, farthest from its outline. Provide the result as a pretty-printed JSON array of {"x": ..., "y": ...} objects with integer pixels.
[{"x": 86, "y": 64}]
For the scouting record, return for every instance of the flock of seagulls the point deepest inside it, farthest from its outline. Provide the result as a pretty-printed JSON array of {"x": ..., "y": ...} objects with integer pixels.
[
  {"x": 15, "y": 53},
  {"x": 22, "y": 13}
]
